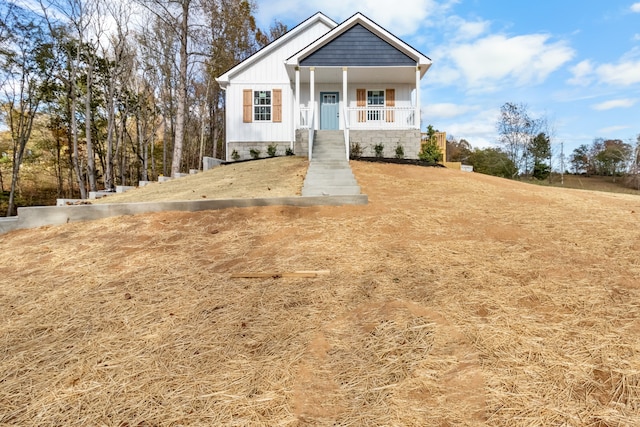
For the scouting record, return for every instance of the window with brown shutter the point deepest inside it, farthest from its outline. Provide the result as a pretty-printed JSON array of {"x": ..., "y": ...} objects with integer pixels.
[
  {"x": 247, "y": 105},
  {"x": 361, "y": 99},
  {"x": 277, "y": 106},
  {"x": 390, "y": 102}
]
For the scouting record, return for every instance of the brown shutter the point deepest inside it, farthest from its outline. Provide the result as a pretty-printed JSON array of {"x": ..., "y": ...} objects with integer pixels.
[
  {"x": 361, "y": 98},
  {"x": 277, "y": 106},
  {"x": 247, "y": 105},
  {"x": 390, "y": 101}
]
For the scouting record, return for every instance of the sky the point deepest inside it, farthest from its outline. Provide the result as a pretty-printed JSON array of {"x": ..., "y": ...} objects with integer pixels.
[{"x": 575, "y": 63}]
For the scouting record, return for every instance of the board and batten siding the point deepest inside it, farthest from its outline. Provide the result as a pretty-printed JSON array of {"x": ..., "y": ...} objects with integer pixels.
[
  {"x": 270, "y": 68},
  {"x": 267, "y": 73},
  {"x": 242, "y": 128}
]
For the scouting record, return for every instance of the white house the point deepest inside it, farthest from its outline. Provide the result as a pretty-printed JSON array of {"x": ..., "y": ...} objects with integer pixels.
[{"x": 354, "y": 77}]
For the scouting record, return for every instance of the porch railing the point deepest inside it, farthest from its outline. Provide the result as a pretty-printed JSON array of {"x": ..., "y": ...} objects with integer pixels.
[
  {"x": 311, "y": 132},
  {"x": 381, "y": 117},
  {"x": 305, "y": 117},
  {"x": 347, "y": 143}
]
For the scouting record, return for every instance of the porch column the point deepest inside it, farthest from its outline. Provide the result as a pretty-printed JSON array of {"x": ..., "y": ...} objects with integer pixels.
[
  {"x": 417, "y": 113},
  {"x": 345, "y": 99},
  {"x": 312, "y": 95},
  {"x": 296, "y": 109}
]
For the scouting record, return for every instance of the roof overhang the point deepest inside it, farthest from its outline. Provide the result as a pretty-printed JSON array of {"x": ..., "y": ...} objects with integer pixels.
[{"x": 223, "y": 80}]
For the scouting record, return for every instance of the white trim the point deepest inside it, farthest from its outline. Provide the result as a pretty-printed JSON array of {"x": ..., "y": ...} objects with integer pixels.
[{"x": 225, "y": 78}]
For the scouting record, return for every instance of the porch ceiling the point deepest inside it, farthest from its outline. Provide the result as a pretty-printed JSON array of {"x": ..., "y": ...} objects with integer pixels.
[{"x": 359, "y": 75}]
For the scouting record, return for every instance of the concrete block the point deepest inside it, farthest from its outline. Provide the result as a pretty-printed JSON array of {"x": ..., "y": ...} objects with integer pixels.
[
  {"x": 180, "y": 175},
  {"x": 144, "y": 183},
  {"x": 68, "y": 202},
  {"x": 210, "y": 163},
  {"x": 163, "y": 178},
  {"x": 98, "y": 194},
  {"x": 193, "y": 171},
  {"x": 123, "y": 188}
]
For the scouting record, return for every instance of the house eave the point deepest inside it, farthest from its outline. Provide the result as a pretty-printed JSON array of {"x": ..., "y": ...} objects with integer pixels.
[{"x": 318, "y": 17}]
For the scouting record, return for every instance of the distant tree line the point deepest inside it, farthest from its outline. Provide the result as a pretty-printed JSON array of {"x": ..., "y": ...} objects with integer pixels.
[
  {"x": 524, "y": 150},
  {"x": 100, "y": 93}
]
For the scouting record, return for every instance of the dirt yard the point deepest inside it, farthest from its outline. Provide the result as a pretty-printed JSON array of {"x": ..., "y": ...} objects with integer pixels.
[{"x": 453, "y": 299}]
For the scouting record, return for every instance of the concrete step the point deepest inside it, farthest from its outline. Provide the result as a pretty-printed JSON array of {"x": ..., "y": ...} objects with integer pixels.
[{"x": 331, "y": 191}]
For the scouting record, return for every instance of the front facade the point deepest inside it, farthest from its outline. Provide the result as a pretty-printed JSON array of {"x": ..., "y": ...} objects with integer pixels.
[{"x": 353, "y": 77}]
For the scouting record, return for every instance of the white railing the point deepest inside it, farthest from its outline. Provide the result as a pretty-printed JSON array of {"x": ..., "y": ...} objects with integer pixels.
[
  {"x": 311, "y": 131},
  {"x": 347, "y": 144},
  {"x": 304, "y": 117},
  {"x": 381, "y": 117}
]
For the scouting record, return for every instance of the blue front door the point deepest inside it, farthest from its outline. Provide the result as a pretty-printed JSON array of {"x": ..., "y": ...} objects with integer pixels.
[{"x": 329, "y": 111}]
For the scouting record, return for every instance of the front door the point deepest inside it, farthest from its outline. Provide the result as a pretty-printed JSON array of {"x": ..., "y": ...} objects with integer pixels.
[{"x": 329, "y": 111}]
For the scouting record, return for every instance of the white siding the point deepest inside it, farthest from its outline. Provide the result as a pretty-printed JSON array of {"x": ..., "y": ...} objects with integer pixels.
[
  {"x": 267, "y": 73},
  {"x": 238, "y": 131}
]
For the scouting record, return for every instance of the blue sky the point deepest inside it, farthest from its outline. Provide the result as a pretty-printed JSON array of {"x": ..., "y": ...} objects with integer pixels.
[{"x": 575, "y": 62}]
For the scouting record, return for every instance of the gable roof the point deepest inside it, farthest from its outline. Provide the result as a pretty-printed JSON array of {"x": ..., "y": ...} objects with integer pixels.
[
  {"x": 346, "y": 28},
  {"x": 223, "y": 80},
  {"x": 357, "y": 46}
]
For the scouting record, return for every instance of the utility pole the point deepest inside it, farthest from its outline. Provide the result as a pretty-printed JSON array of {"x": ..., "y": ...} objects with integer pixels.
[{"x": 562, "y": 163}]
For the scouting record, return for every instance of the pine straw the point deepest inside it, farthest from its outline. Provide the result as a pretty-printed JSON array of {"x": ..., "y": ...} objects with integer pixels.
[
  {"x": 280, "y": 176},
  {"x": 453, "y": 299}
]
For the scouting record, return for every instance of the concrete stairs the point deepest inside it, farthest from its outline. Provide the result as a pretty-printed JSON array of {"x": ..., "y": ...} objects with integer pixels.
[{"x": 329, "y": 173}]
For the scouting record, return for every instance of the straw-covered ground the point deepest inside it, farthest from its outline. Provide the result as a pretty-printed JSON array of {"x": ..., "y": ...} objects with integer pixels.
[{"x": 452, "y": 299}]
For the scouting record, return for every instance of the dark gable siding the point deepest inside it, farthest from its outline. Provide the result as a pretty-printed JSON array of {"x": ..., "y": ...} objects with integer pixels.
[{"x": 357, "y": 47}]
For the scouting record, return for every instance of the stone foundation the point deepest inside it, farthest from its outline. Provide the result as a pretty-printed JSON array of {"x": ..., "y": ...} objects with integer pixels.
[
  {"x": 301, "y": 146},
  {"x": 244, "y": 149},
  {"x": 409, "y": 139}
]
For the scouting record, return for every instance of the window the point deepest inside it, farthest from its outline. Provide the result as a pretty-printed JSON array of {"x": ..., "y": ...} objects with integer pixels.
[
  {"x": 375, "y": 104},
  {"x": 262, "y": 105}
]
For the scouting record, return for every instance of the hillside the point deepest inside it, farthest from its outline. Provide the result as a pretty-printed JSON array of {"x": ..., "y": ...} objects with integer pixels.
[{"x": 452, "y": 299}]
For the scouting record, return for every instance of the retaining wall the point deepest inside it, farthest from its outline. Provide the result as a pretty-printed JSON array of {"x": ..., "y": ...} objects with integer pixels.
[{"x": 38, "y": 216}]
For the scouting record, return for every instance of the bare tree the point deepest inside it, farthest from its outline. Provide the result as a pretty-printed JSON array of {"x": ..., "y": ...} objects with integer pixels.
[
  {"x": 516, "y": 130},
  {"x": 25, "y": 62}
]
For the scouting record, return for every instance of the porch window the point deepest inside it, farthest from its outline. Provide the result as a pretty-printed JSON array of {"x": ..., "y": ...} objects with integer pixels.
[
  {"x": 262, "y": 105},
  {"x": 375, "y": 103}
]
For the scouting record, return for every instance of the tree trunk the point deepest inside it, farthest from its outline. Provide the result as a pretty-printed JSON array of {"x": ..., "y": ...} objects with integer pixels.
[
  {"x": 91, "y": 161},
  {"x": 182, "y": 91}
]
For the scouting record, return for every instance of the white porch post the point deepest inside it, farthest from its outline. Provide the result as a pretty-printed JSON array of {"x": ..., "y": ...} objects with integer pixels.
[
  {"x": 312, "y": 94},
  {"x": 296, "y": 120},
  {"x": 417, "y": 113},
  {"x": 296, "y": 108},
  {"x": 345, "y": 99},
  {"x": 345, "y": 104}
]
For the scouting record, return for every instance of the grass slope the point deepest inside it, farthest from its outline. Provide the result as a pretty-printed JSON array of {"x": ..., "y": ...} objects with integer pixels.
[{"x": 453, "y": 299}]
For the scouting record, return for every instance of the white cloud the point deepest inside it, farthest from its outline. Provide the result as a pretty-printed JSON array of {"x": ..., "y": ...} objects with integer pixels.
[
  {"x": 461, "y": 29},
  {"x": 399, "y": 19},
  {"x": 612, "y": 129},
  {"x": 446, "y": 110},
  {"x": 635, "y": 7},
  {"x": 528, "y": 59},
  {"x": 614, "y": 103},
  {"x": 624, "y": 73},
  {"x": 479, "y": 129},
  {"x": 582, "y": 73}
]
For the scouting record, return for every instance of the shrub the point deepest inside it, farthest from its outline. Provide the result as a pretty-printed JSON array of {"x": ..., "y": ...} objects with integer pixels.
[
  {"x": 399, "y": 152},
  {"x": 379, "y": 150},
  {"x": 255, "y": 153},
  {"x": 356, "y": 151},
  {"x": 235, "y": 156},
  {"x": 289, "y": 151},
  {"x": 272, "y": 149},
  {"x": 430, "y": 152}
]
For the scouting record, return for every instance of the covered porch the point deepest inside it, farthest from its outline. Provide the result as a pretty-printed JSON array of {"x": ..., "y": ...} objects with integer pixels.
[{"x": 349, "y": 99}]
